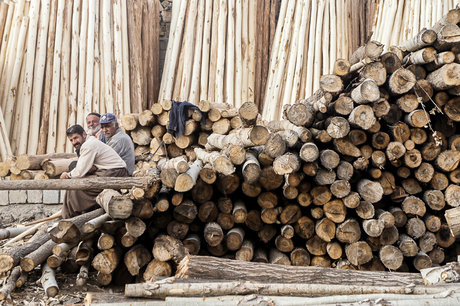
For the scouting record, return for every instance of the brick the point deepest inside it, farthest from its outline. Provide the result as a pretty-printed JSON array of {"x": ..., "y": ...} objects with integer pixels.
[
  {"x": 34, "y": 196},
  {"x": 18, "y": 196},
  {"x": 61, "y": 196},
  {"x": 51, "y": 196},
  {"x": 4, "y": 199}
]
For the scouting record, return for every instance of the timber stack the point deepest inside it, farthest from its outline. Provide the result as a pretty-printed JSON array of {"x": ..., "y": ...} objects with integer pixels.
[{"x": 358, "y": 176}]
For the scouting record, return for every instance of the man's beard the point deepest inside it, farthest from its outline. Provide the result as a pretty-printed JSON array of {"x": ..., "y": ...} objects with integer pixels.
[{"x": 94, "y": 130}]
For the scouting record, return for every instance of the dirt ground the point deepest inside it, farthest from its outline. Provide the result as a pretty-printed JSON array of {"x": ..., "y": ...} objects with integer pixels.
[{"x": 32, "y": 292}]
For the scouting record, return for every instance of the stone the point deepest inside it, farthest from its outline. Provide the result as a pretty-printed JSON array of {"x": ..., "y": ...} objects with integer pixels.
[
  {"x": 51, "y": 197},
  {"x": 34, "y": 196},
  {"x": 18, "y": 196}
]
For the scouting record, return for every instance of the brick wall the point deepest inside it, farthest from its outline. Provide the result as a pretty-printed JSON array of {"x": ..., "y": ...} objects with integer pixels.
[{"x": 8, "y": 197}]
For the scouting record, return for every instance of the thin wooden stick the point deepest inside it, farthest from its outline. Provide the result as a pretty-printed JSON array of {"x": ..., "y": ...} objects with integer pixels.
[
  {"x": 238, "y": 52},
  {"x": 97, "y": 63},
  {"x": 300, "y": 52},
  {"x": 187, "y": 50},
  {"x": 167, "y": 63},
  {"x": 5, "y": 41},
  {"x": 273, "y": 56},
  {"x": 52, "y": 217},
  {"x": 229, "y": 94},
  {"x": 311, "y": 50},
  {"x": 64, "y": 83},
  {"x": 125, "y": 64},
  {"x": 196, "y": 74},
  {"x": 204, "y": 74},
  {"x": 333, "y": 36},
  {"x": 175, "y": 51},
  {"x": 10, "y": 56},
  {"x": 118, "y": 54},
  {"x": 326, "y": 69},
  {"x": 252, "y": 50},
  {"x": 88, "y": 101},
  {"x": 45, "y": 111},
  {"x": 220, "y": 69},
  {"x": 34, "y": 13},
  {"x": 244, "y": 49},
  {"x": 291, "y": 58},
  {"x": 82, "y": 64},
  {"x": 74, "y": 53},
  {"x": 52, "y": 126},
  {"x": 12, "y": 87}
]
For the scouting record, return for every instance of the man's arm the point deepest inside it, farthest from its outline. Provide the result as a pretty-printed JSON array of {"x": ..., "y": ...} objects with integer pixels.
[{"x": 85, "y": 164}]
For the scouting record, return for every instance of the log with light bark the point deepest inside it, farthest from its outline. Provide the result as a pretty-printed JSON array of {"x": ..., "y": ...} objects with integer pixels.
[
  {"x": 79, "y": 184},
  {"x": 220, "y": 268},
  {"x": 48, "y": 281},
  {"x": 115, "y": 205},
  {"x": 10, "y": 284}
]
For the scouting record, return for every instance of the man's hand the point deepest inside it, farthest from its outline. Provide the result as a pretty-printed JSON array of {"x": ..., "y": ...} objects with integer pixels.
[{"x": 65, "y": 175}]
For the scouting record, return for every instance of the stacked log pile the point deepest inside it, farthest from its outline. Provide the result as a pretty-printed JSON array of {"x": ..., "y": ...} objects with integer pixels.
[
  {"x": 357, "y": 176},
  {"x": 36, "y": 167},
  {"x": 60, "y": 60}
]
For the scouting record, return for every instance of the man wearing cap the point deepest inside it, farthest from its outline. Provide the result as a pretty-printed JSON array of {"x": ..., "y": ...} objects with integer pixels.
[
  {"x": 118, "y": 140},
  {"x": 96, "y": 155}
]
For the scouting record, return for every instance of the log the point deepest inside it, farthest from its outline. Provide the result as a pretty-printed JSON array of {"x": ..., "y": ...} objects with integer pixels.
[
  {"x": 33, "y": 259},
  {"x": 166, "y": 248},
  {"x": 69, "y": 230},
  {"x": 114, "y": 204},
  {"x": 444, "y": 77},
  {"x": 136, "y": 258},
  {"x": 452, "y": 216},
  {"x": 191, "y": 268},
  {"x": 156, "y": 269},
  {"x": 95, "y": 223},
  {"x": 10, "y": 284},
  {"x": 11, "y": 258},
  {"x": 106, "y": 261},
  {"x": 391, "y": 257},
  {"x": 78, "y": 184}
]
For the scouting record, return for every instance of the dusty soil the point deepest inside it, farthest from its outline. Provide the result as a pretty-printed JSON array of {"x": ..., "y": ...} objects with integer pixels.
[
  {"x": 32, "y": 292},
  {"x": 20, "y": 213}
]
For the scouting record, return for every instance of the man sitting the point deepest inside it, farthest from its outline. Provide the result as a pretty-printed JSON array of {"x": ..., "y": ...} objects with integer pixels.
[
  {"x": 118, "y": 140},
  {"x": 94, "y": 156},
  {"x": 94, "y": 126}
]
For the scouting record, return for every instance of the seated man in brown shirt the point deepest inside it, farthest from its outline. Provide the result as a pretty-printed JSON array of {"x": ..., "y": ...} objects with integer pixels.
[{"x": 94, "y": 156}]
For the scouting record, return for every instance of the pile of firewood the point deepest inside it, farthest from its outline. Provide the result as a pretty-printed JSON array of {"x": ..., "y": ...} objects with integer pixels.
[
  {"x": 358, "y": 176},
  {"x": 36, "y": 167}
]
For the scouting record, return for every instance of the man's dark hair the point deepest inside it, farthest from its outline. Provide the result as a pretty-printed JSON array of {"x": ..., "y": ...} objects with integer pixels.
[
  {"x": 95, "y": 114},
  {"x": 75, "y": 129}
]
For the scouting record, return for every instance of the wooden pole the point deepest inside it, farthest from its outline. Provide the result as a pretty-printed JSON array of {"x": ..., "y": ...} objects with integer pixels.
[
  {"x": 52, "y": 126},
  {"x": 118, "y": 54},
  {"x": 221, "y": 47},
  {"x": 188, "y": 49},
  {"x": 229, "y": 94},
  {"x": 134, "y": 15},
  {"x": 74, "y": 54},
  {"x": 194, "y": 95},
  {"x": 14, "y": 81},
  {"x": 34, "y": 13},
  {"x": 204, "y": 73},
  {"x": 63, "y": 108},
  {"x": 125, "y": 64},
  {"x": 107, "y": 58}
]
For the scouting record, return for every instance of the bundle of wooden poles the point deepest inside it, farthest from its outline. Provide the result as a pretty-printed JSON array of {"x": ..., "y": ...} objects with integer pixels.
[
  {"x": 60, "y": 60},
  {"x": 238, "y": 51},
  {"x": 398, "y": 21},
  {"x": 358, "y": 176},
  {"x": 310, "y": 37}
]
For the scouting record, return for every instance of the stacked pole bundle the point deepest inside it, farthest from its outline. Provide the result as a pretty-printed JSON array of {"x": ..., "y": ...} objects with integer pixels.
[
  {"x": 218, "y": 51},
  {"x": 397, "y": 21},
  {"x": 312, "y": 38},
  {"x": 61, "y": 60}
]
